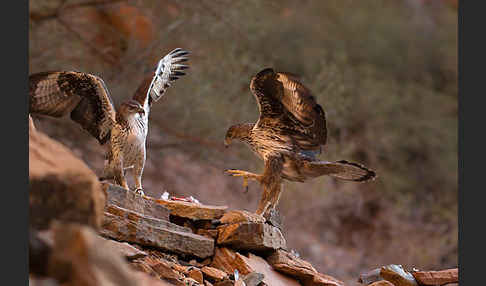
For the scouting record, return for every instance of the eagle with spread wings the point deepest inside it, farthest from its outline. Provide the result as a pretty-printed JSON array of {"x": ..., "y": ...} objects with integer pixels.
[
  {"x": 288, "y": 136},
  {"x": 86, "y": 99}
]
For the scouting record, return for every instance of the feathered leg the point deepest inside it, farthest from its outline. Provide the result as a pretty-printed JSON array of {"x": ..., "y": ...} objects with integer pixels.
[
  {"x": 115, "y": 163},
  {"x": 271, "y": 181},
  {"x": 137, "y": 173}
]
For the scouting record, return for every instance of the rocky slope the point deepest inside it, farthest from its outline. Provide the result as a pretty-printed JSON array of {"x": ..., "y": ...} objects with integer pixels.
[{"x": 83, "y": 232}]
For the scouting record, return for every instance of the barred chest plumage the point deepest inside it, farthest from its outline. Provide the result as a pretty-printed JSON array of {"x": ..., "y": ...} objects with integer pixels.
[
  {"x": 266, "y": 144},
  {"x": 132, "y": 138}
]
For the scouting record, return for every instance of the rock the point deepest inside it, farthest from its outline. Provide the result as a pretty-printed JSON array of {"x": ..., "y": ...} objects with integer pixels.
[
  {"x": 192, "y": 210},
  {"x": 138, "y": 218},
  {"x": 213, "y": 274},
  {"x": 62, "y": 187},
  {"x": 39, "y": 252},
  {"x": 273, "y": 217},
  {"x": 370, "y": 276},
  {"x": 437, "y": 277},
  {"x": 381, "y": 283},
  {"x": 397, "y": 275},
  {"x": 211, "y": 233},
  {"x": 125, "y": 225},
  {"x": 78, "y": 259},
  {"x": 224, "y": 283},
  {"x": 251, "y": 236},
  {"x": 283, "y": 261},
  {"x": 196, "y": 274},
  {"x": 271, "y": 277},
  {"x": 236, "y": 216},
  {"x": 323, "y": 280},
  {"x": 165, "y": 270},
  {"x": 227, "y": 260},
  {"x": 38, "y": 281},
  {"x": 125, "y": 249},
  {"x": 116, "y": 195},
  {"x": 252, "y": 279}
]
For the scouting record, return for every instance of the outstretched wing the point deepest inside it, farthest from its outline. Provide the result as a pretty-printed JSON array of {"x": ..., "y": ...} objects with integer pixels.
[
  {"x": 287, "y": 104},
  {"x": 83, "y": 95},
  {"x": 168, "y": 70}
]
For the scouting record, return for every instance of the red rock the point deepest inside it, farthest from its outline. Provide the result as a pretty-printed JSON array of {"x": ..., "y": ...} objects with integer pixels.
[
  {"x": 397, "y": 275},
  {"x": 192, "y": 210},
  {"x": 236, "y": 216},
  {"x": 123, "y": 198},
  {"x": 213, "y": 274},
  {"x": 78, "y": 259},
  {"x": 271, "y": 277},
  {"x": 437, "y": 277},
  {"x": 211, "y": 233},
  {"x": 62, "y": 187},
  {"x": 251, "y": 236},
  {"x": 125, "y": 249},
  {"x": 196, "y": 274},
  {"x": 226, "y": 259},
  {"x": 381, "y": 283},
  {"x": 125, "y": 225}
]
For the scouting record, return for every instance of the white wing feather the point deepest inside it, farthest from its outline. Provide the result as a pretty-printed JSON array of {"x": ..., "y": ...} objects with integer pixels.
[{"x": 168, "y": 70}]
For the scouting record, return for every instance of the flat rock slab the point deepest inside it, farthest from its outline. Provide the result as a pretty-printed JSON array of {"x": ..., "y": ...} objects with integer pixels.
[
  {"x": 192, "y": 210},
  {"x": 125, "y": 225},
  {"x": 397, "y": 275},
  {"x": 143, "y": 219},
  {"x": 285, "y": 262},
  {"x": 437, "y": 277},
  {"x": 213, "y": 274},
  {"x": 116, "y": 195},
  {"x": 270, "y": 276},
  {"x": 125, "y": 249},
  {"x": 237, "y": 216},
  {"x": 251, "y": 236},
  {"x": 228, "y": 260}
]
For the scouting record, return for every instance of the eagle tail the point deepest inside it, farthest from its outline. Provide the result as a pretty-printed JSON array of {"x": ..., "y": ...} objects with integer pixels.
[
  {"x": 343, "y": 170},
  {"x": 169, "y": 69}
]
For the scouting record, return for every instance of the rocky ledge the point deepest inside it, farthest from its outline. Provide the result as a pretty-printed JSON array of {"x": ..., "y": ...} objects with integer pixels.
[{"x": 84, "y": 232}]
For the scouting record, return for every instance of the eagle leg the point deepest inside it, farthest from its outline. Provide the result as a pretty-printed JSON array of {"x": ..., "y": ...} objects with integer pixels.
[
  {"x": 271, "y": 182},
  {"x": 137, "y": 176},
  {"x": 246, "y": 176}
]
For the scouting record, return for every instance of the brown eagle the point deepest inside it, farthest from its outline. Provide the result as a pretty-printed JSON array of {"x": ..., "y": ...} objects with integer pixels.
[
  {"x": 288, "y": 136},
  {"x": 86, "y": 98}
]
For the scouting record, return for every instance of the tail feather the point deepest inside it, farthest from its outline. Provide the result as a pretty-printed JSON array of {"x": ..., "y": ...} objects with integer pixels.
[{"x": 343, "y": 170}]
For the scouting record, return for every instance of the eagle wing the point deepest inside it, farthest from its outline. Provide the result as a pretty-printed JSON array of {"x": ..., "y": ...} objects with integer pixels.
[
  {"x": 168, "y": 70},
  {"x": 286, "y": 104},
  {"x": 83, "y": 95}
]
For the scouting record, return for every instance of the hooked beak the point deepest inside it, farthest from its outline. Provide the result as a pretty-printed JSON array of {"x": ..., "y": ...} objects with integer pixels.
[{"x": 227, "y": 142}]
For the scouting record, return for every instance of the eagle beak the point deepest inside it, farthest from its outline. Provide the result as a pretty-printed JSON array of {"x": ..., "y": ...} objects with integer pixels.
[{"x": 227, "y": 142}]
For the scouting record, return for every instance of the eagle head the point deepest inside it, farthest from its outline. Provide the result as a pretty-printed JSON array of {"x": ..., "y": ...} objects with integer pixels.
[
  {"x": 131, "y": 107},
  {"x": 238, "y": 131}
]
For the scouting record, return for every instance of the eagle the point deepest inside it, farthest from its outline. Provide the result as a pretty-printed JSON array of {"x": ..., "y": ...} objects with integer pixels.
[
  {"x": 288, "y": 136},
  {"x": 86, "y": 99}
]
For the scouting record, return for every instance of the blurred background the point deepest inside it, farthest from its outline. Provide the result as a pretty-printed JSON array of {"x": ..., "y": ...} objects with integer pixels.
[{"x": 385, "y": 72}]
